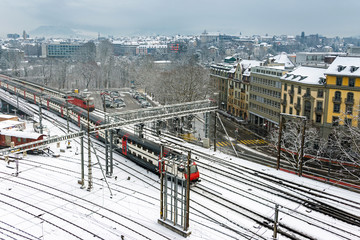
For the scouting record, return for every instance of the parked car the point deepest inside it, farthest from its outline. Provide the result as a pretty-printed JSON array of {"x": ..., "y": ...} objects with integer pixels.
[
  {"x": 114, "y": 94},
  {"x": 145, "y": 104},
  {"x": 105, "y": 92},
  {"x": 118, "y": 102},
  {"x": 108, "y": 103}
]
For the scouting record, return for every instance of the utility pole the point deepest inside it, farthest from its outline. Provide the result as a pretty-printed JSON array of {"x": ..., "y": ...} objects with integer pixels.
[
  {"x": 161, "y": 181},
  {"x": 89, "y": 149},
  {"x": 40, "y": 114},
  {"x": 82, "y": 160},
  {"x": 187, "y": 213},
  {"x": 302, "y": 148},
  {"x": 111, "y": 152},
  {"x": 106, "y": 137},
  {"x": 17, "y": 99},
  {"x": 279, "y": 142},
  {"x": 276, "y": 219},
  {"x": 215, "y": 131},
  {"x": 67, "y": 115}
]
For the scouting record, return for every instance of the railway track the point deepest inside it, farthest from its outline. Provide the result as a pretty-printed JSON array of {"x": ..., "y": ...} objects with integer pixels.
[
  {"x": 304, "y": 196},
  {"x": 212, "y": 196},
  {"x": 150, "y": 181}
]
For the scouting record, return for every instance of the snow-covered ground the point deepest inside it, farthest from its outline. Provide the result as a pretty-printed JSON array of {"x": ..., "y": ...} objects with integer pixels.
[{"x": 45, "y": 200}]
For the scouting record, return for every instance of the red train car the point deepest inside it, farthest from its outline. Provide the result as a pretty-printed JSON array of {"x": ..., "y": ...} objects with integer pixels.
[
  {"x": 81, "y": 102},
  {"x": 18, "y": 137}
]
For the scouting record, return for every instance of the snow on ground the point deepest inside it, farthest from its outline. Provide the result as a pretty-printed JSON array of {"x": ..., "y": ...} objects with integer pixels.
[{"x": 45, "y": 200}]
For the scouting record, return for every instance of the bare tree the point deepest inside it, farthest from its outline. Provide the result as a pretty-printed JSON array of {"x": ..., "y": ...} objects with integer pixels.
[
  {"x": 291, "y": 141},
  {"x": 345, "y": 142},
  {"x": 177, "y": 81},
  {"x": 106, "y": 59}
]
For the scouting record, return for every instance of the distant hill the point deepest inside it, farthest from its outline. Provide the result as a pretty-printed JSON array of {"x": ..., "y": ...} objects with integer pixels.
[{"x": 61, "y": 32}]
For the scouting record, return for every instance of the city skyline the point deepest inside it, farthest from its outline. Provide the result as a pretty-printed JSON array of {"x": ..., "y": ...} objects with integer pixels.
[{"x": 139, "y": 17}]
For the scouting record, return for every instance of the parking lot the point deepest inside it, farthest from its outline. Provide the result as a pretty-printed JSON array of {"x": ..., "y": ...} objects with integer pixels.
[{"x": 120, "y": 100}]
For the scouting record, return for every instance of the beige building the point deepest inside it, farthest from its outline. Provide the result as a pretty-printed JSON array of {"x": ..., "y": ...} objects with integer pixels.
[
  {"x": 304, "y": 94},
  {"x": 265, "y": 95},
  {"x": 222, "y": 75}
]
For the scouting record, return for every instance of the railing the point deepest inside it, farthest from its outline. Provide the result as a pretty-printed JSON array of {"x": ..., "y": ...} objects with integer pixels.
[
  {"x": 319, "y": 110},
  {"x": 349, "y": 101},
  {"x": 337, "y": 99},
  {"x": 307, "y": 95}
]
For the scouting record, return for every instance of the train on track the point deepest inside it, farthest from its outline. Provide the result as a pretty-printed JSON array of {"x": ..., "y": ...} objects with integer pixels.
[
  {"x": 82, "y": 102},
  {"x": 143, "y": 152}
]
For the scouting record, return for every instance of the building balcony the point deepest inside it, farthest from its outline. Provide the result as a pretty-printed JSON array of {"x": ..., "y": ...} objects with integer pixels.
[
  {"x": 319, "y": 110},
  {"x": 336, "y": 100},
  {"x": 349, "y": 101},
  {"x": 297, "y": 106},
  {"x": 291, "y": 92},
  {"x": 307, "y": 96},
  {"x": 284, "y": 102}
]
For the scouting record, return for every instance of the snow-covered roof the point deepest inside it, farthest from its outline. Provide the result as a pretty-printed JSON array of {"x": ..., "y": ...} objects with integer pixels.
[
  {"x": 9, "y": 123},
  {"x": 6, "y": 116},
  {"x": 306, "y": 75},
  {"x": 20, "y": 134},
  {"x": 248, "y": 64},
  {"x": 344, "y": 66},
  {"x": 283, "y": 58}
]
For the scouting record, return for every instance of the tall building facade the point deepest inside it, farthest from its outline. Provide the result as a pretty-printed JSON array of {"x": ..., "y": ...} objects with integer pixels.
[
  {"x": 265, "y": 96},
  {"x": 60, "y": 49},
  {"x": 304, "y": 94},
  {"x": 343, "y": 95},
  {"x": 221, "y": 74}
]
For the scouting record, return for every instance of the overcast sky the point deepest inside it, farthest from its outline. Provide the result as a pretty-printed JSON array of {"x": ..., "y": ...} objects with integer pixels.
[{"x": 128, "y": 17}]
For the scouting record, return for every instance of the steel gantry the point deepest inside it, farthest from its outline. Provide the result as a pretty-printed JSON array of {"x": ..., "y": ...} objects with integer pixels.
[
  {"x": 157, "y": 113},
  {"x": 117, "y": 120},
  {"x": 41, "y": 143}
]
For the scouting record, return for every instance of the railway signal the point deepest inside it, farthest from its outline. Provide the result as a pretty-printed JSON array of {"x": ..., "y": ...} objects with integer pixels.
[{"x": 174, "y": 195}]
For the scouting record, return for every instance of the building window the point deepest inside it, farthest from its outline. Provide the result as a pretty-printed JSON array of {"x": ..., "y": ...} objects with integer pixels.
[
  {"x": 350, "y": 96},
  {"x": 338, "y": 81},
  {"x": 308, "y": 91},
  {"x": 291, "y": 100},
  {"x": 298, "y": 100},
  {"x": 338, "y": 95},
  {"x": 285, "y": 86},
  {"x": 320, "y": 93},
  {"x": 299, "y": 90},
  {"x": 349, "y": 109},
  {"x": 319, "y": 105},
  {"x": 335, "y": 121},
  {"x": 284, "y": 109},
  {"x": 336, "y": 108},
  {"x": 291, "y": 110},
  {"x": 318, "y": 118},
  {"x": 297, "y": 112},
  {"x": 351, "y": 82},
  {"x": 348, "y": 121}
]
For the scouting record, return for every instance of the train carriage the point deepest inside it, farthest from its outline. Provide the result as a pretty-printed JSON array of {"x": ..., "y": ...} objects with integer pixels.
[{"x": 143, "y": 152}]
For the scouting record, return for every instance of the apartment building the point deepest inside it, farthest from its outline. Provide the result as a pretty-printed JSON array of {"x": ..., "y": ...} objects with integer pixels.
[
  {"x": 304, "y": 94},
  {"x": 265, "y": 95},
  {"x": 222, "y": 76},
  {"x": 343, "y": 95}
]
